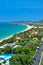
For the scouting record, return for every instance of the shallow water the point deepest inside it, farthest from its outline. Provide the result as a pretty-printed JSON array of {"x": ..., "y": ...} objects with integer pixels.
[{"x": 8, "y": 29}]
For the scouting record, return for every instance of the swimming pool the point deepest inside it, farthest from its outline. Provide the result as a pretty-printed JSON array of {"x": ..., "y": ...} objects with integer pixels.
[{"x": 6, "y": 56}]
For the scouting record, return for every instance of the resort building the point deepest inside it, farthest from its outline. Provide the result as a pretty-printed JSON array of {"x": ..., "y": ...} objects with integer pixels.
[
  {"x": 34, "y": 32},
  {"x": 11, "y": 45},
  {"x": 17, "y": 38}
]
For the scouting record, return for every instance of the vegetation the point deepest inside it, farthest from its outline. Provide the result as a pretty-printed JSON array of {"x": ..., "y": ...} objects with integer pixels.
[
  {"x": 7, "y": 49},
  {"x": 42, "y": 63},
  {"x": 28, "y": 44}
]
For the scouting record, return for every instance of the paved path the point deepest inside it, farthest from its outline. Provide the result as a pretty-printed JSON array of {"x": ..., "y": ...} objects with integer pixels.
[
  {"x": 38, "y": 55},
  {"x": 41, "y": 59}
]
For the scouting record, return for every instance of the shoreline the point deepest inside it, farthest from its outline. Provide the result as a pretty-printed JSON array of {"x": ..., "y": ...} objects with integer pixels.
[{"x": 28, "y": 28}]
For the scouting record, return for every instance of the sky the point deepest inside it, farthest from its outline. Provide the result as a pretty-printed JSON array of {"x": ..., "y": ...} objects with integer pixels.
[{"x": 21, "y": 10}]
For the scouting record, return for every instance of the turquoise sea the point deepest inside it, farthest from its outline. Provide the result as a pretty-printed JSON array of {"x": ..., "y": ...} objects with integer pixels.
[{"x": 8, "y": 29}]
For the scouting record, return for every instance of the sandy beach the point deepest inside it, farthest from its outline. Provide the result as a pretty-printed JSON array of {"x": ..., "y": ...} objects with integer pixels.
[{"x": 28, "y": 28}]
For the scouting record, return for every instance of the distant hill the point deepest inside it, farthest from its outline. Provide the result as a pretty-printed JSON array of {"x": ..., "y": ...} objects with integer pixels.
[
  {"x": 40, "y": 22},
  {"x": 28, "y": 22}
]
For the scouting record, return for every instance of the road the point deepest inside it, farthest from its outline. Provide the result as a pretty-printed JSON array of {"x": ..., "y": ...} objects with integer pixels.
[
  {"x": 38, "y": 55},
  {"x": 41, "y": 59}
]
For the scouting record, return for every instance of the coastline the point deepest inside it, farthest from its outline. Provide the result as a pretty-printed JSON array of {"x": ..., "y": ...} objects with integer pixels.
[{"x": 28, "y": 28}]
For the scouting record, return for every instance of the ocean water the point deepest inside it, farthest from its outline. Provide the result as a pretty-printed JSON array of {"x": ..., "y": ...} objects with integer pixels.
[{"x": 8, "y": 29}]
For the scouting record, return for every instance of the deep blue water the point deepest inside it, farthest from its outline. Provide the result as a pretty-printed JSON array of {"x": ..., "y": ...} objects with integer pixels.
[
  {"x": 8, "y": 29},
  {"x": 15, "y": 10}
]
